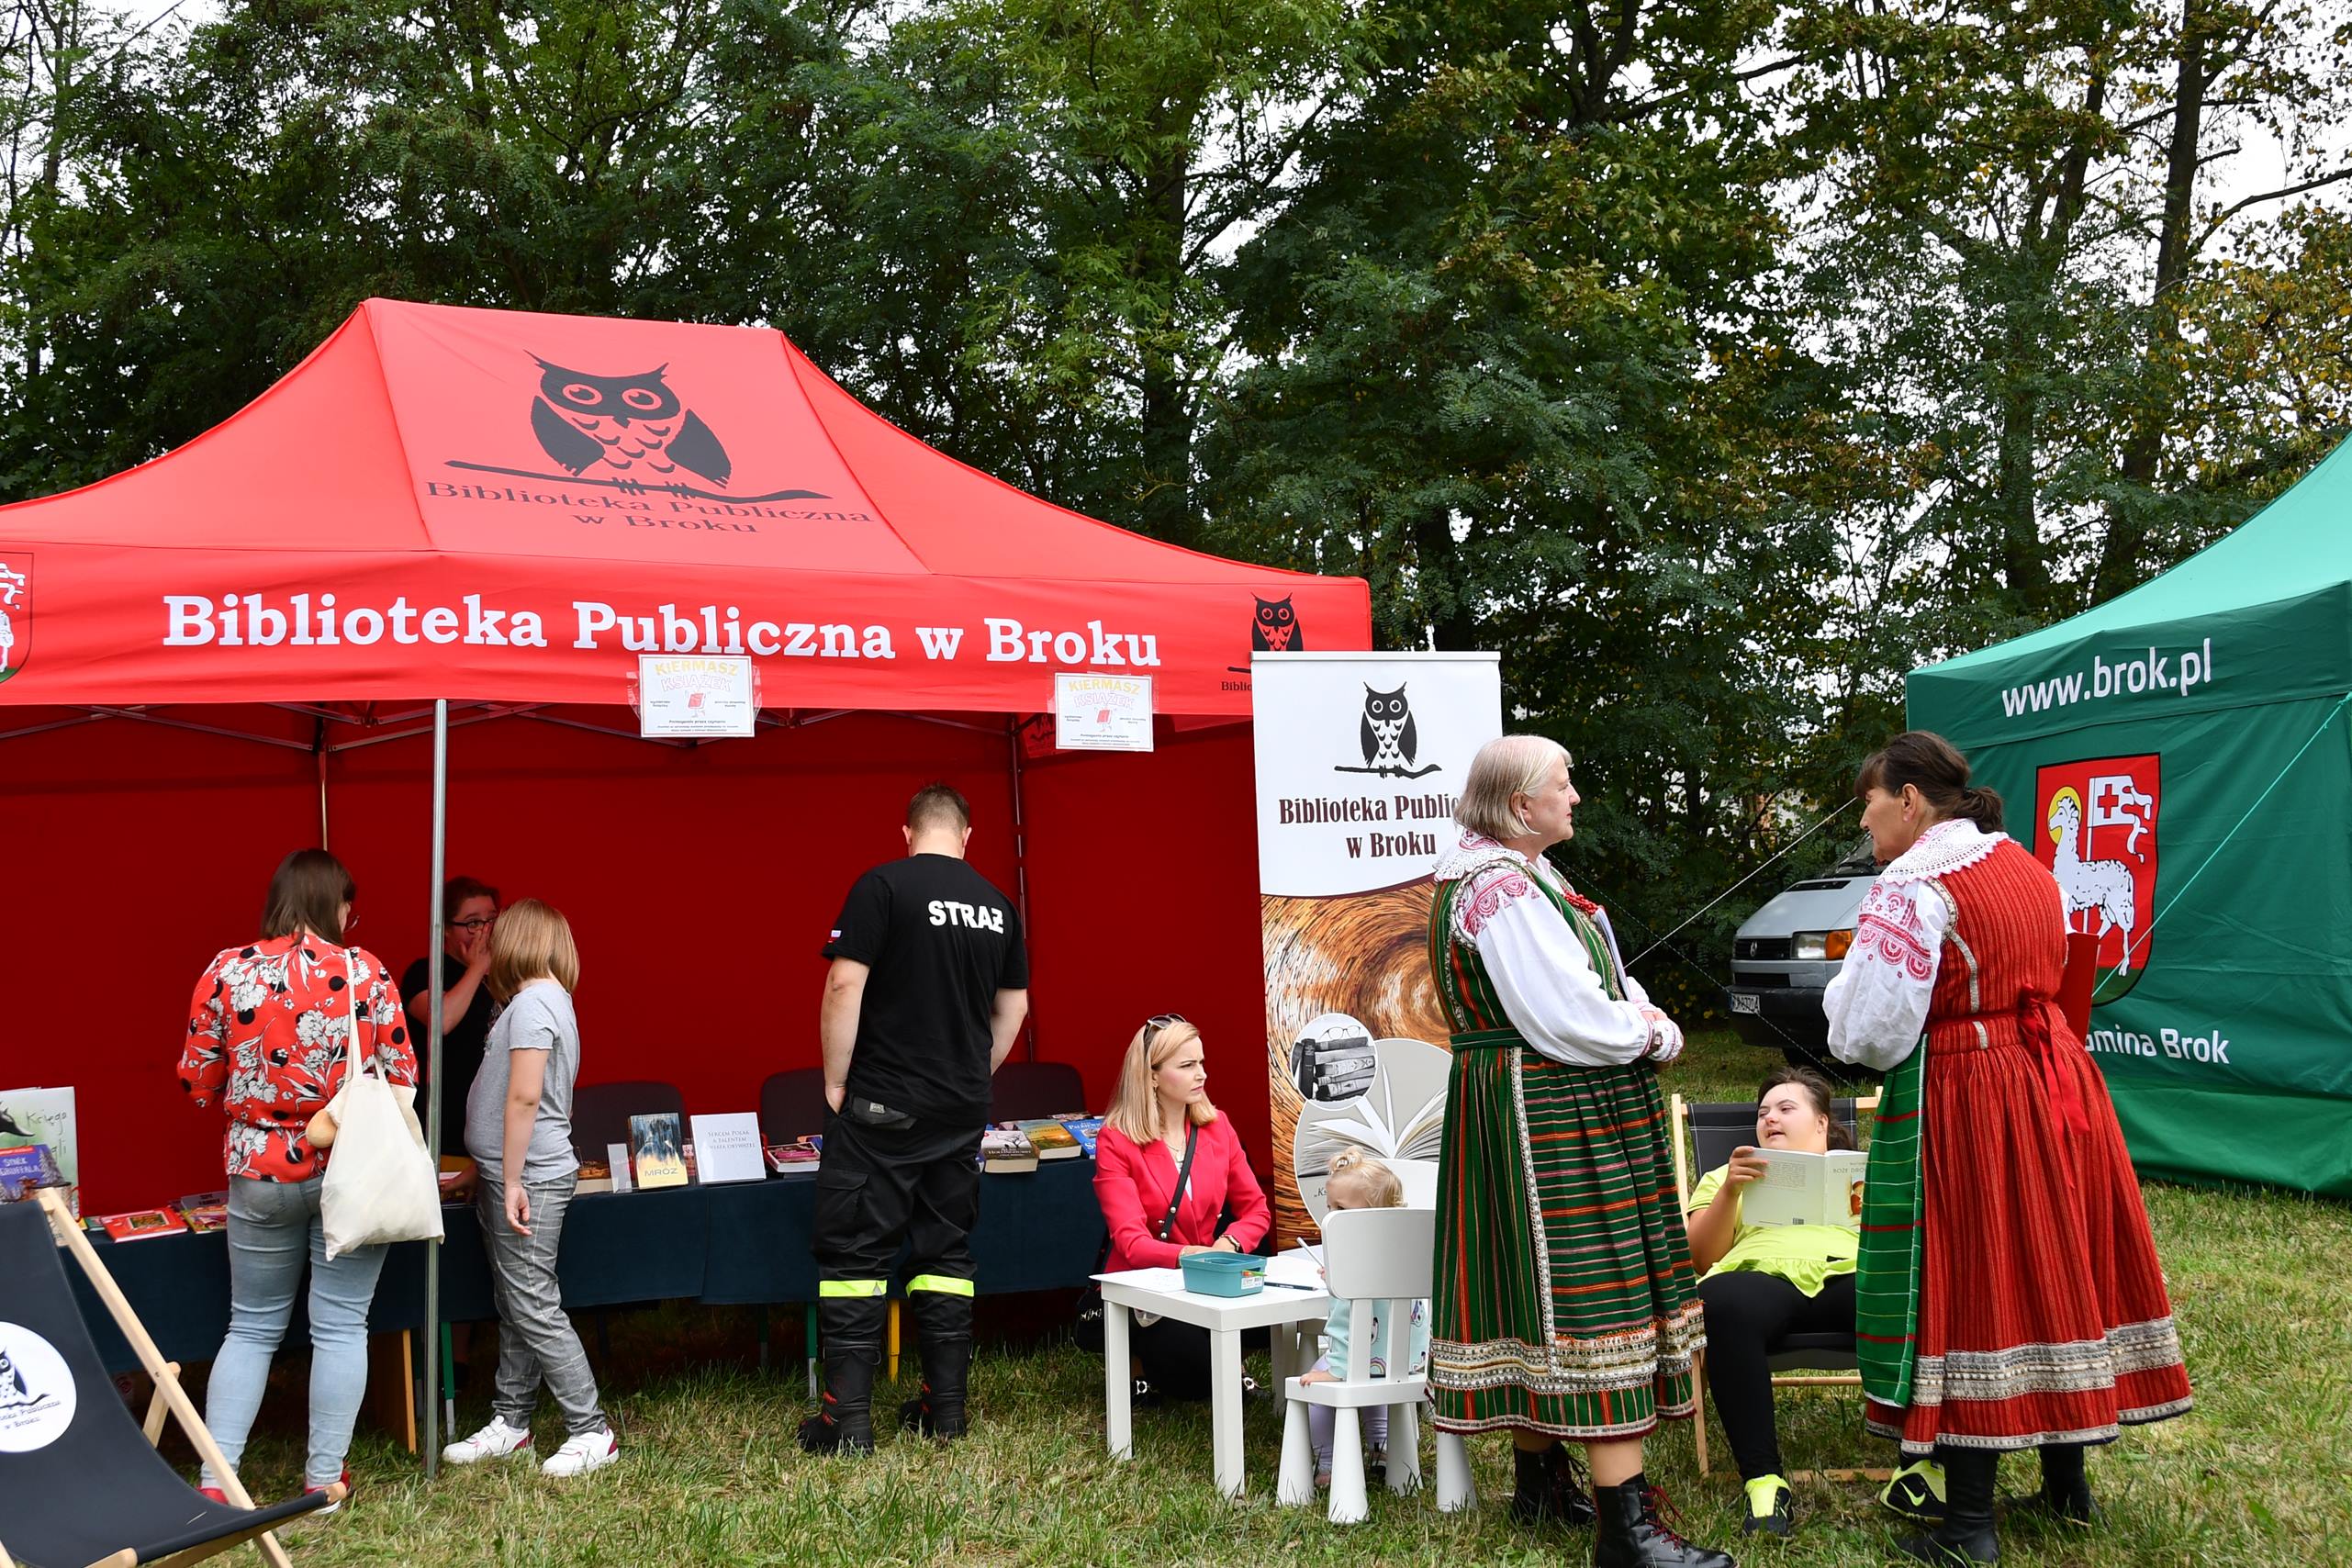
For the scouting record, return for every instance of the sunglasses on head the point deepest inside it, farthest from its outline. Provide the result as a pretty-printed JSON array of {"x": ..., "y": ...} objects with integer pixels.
[{"x": 1152, "y": 1025}]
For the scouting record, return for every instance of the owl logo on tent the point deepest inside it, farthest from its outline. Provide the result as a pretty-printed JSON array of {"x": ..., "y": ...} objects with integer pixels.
[
  {"x": 624, "y": 425},
  {"x": 2095, "y": 830},
  {"x": 631, "y": 433},
  {"x": 1274, "y": 628},
  {"x": 15, "y": 613}
]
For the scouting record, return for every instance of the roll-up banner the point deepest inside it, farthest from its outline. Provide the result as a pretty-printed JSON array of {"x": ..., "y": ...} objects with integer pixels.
[{"x": 1360, "y": 759}]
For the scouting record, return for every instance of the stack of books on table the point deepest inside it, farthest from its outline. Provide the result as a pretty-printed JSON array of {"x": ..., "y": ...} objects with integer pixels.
[
  {"x": 1007, "y": 1149},
  {"x": 802, "y": 1154},
  {"x": 205, "y": 1211}
]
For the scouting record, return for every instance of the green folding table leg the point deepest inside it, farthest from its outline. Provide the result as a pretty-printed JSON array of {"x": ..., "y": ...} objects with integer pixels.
[{"x": 808, "y": 1318}]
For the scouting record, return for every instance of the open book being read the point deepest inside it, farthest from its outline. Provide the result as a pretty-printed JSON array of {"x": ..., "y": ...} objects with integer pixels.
[{"x": 1800, "y": 1188}]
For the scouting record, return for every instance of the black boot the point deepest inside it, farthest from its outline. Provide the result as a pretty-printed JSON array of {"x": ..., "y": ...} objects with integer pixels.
[
  {"x": 944, "y": 1324},
  {"x": 853, "y": 1354},
  {"x": 1965, "y": 1536},
  {"x": 1553, "y": 1488},
  {"x": 2065, "y": 1491},
  {"x": 1632, "y": 1535}
]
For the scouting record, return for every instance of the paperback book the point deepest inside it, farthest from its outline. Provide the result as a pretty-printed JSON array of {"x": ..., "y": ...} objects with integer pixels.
[
  {"x": 1085, "y": 1129},
  {"x": 1048, "y": 1138},
  {"x": 656, "y": 1150},
  {"x": 205, "y": 1211},
  {"x": 1801, "y": 1188},
  {"x": 1005, "y": 1150},
  {"x": 139, "y": 1225}
]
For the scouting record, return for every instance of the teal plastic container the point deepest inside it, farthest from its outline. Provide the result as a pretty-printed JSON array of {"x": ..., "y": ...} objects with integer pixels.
[{"x": 1225, "y": 1273}]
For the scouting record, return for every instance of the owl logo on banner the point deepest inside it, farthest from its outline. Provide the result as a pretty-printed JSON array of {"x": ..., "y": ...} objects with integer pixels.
[
  {"x": 1389, "y": 739},
  {"x": 2097, "y": 832},
  {"x": 15, "y": 613}
]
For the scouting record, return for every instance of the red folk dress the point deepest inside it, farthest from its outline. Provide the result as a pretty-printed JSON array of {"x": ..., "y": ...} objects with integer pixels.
[
  {"x": 266, "y": 1031},
  {"x": 2041, "y": 1310}
]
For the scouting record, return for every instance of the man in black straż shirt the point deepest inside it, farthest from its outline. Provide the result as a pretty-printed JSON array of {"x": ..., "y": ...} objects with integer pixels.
[{"x": 928, "y": 987}]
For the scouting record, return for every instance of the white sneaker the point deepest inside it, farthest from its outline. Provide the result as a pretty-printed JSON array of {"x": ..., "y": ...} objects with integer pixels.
[
  {"x": 589, "y": 1451},
  {"x": 494, "y": 1441}
]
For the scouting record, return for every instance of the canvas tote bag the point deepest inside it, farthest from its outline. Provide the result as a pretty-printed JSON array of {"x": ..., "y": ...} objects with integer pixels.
[{"x": 381, "y": 1184}]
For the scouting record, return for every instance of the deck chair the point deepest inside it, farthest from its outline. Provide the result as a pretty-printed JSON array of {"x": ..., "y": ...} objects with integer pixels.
[
  {"x": 81, "y": 1482},
  {"x": 1705, "y": 1132},
  {"x": 1380, "y": 1260},
  {"x": 1026, "y": 1091}
]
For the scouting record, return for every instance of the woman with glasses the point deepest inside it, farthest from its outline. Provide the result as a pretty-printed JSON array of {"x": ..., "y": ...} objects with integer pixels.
[
  {"x": 1168, "y": 1171},
  {"x": 468, "y": 910},
  {"x": 1566, "y": 1310},
  {"x": 272, "y": 1030}
]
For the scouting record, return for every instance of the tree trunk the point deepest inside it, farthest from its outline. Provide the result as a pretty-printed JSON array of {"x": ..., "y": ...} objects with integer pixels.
[
  {"x": 2119, "y": 560},
  {"x": 1165, "y": 508}
]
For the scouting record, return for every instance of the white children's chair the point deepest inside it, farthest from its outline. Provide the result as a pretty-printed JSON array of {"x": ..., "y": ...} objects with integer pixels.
[{"x": 1380, "y": 1260}]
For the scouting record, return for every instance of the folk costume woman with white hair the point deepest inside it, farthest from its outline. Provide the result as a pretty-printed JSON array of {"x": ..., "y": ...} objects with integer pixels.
[
  {"x": 1566, "y": 1309},
  {"x": 2009, "y": 1294}
]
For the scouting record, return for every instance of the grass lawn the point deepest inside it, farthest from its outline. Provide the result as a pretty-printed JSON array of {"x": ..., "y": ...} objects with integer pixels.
[{"x": 2255, "y": 1475}]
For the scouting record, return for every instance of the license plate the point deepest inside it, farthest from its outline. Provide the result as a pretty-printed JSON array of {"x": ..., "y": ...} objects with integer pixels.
[{"x": 1746, "y": 1001}]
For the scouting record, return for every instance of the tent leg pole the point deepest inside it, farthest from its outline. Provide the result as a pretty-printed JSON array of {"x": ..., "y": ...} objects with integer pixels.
[
  {"x": 1021, "y": 867},
  {"x": 431, "y": 1335},
  {"x": 318, "y": 749}
]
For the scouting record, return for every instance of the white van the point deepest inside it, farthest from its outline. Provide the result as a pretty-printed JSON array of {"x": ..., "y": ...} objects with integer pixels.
[{"x": 1783, "y": 957}]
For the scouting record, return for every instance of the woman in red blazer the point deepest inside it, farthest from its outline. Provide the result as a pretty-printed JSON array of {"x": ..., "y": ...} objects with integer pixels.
[{"x": 1160, "y": 1108}]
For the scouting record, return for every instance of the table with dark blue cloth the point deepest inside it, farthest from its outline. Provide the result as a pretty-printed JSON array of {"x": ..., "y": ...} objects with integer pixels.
[{"x": 727, "y": 1246}]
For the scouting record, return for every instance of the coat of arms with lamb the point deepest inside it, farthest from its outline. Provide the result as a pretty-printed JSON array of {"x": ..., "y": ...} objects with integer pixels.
[{"x": 2105, "y": 890}]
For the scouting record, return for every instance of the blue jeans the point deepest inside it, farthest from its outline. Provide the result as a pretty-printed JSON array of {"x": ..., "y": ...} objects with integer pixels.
[{"x": 272, "y": 1230}]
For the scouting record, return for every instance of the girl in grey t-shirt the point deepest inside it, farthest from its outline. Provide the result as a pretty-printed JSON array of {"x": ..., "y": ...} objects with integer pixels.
[{"x": 519, "y": 1130}]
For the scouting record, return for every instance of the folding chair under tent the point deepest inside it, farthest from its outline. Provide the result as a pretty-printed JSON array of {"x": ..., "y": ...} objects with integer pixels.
[{"x": 81, "y": 1482}]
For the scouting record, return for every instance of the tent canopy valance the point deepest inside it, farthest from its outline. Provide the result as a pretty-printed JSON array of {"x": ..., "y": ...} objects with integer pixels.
[{"x": 507, "y": 507}]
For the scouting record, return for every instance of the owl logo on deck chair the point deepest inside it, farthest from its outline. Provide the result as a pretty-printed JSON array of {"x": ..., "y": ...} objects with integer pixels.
[{"x": 628, "y": 427}]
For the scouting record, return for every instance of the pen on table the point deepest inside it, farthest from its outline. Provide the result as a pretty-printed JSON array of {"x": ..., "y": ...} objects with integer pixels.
[{"x": 1287, "y": 1285}]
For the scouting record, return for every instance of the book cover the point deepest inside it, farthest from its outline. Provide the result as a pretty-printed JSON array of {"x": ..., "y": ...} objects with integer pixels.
[
  {"x": 43, "y": 1115},
  {"x": 727, "y": 1148},
  {"x": 205, "y": 1211},
  {"x": 1800, "y": 1188},
  {"x": 801, "y": 1154},
  {"x": 137, "y": 1225},
  {"x": 595, "y": 1176},
  {"x": 1085, "y": 1129},
  {"x": 24, "y": 1166},
  {"x": 1049, "y": 1139},
  {"x": 1002, "y": 1150},
  {"x": 656, "y": 1150}
]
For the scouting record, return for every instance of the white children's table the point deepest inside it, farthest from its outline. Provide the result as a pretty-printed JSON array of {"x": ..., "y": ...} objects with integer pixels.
[{"x": 1294, "y": 1316}]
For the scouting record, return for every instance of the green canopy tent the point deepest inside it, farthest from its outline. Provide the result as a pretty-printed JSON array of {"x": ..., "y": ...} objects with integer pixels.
[{"x": 2181, "y": 759}]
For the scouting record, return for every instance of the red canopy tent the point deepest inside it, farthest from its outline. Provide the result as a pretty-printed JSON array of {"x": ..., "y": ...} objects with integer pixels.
[{"x": 489, "y": 515}]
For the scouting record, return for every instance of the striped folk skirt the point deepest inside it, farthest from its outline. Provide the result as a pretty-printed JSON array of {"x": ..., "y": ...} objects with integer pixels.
[
  {"x": 1565, "y": 1300},
  {"x": 2041, "y": 1315}
]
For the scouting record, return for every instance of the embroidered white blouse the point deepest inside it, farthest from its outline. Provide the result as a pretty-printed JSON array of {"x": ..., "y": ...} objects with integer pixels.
[
  {"x": 1877, "y": 1002},
  {"x": 1541, "y": 969}
]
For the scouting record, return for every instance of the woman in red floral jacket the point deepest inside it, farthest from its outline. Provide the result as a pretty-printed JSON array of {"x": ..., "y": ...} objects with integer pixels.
[{"x": 267, "y": 1033}]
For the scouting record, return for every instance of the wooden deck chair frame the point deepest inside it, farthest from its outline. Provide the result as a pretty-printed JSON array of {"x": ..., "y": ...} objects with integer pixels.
[
  {"x": 1684, "y": 1152},
  {"x": 171, "y": 1402}
]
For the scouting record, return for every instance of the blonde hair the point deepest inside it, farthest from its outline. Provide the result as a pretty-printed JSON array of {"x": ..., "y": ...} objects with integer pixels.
[
  {"x": 1505, "y": 766},
  {"x": 532, "y": 939},
  {"x": 1135, "y": 1104},
  {"x": 1374, "y": 1183}
]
